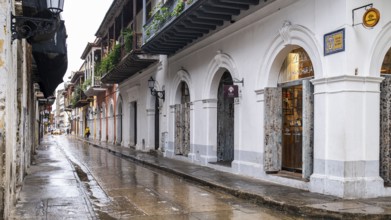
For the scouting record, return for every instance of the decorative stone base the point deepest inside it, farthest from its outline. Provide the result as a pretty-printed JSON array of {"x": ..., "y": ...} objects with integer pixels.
[{"x": 348, "y": 188}]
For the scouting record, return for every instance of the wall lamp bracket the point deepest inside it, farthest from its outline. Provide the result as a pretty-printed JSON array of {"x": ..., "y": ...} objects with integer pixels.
[
  {"x": 40, "y": 28},
  {"x": 154, "y": 92}
]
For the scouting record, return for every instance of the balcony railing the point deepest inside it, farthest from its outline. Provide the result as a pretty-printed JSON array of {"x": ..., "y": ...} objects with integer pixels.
[
  {"x": 177, "y": 25},
  {"x": 95, "y": 88},
  {"x": 130, "y": 61},
  {"x": 164, "y": 15}
]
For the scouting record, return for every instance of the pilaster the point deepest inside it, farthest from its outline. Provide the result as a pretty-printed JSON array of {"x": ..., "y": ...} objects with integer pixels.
[{"x": 346, "y": 137}]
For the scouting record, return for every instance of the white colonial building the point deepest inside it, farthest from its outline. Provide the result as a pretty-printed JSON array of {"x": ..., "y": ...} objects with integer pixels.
[{"x": 287, "y": 91}]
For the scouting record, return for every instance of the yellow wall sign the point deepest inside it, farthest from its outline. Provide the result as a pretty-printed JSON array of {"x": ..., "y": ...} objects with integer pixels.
[
  {"x": 371, "y": 17},
  {"x": 334, "y": 42}
]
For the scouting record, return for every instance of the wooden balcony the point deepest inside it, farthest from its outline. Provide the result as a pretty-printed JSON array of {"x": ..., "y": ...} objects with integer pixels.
[
  {"x": 168, "y": 32},
  {"x": 131, "y": 63},
  {"x": 95, "y": 88}
]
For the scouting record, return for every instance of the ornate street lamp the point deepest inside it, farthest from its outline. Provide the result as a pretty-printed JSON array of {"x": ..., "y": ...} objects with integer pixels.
[
  {"x": 55, "y": 6},
  {"x": 40, "y": 28},
  {"x": 154, "y": 92}
]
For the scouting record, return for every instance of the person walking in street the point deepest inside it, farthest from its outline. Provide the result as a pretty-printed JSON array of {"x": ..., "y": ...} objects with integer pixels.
[{"x": 87, "y": 132}]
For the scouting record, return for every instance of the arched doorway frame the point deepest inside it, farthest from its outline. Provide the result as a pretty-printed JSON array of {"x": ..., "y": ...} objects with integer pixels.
[
  {"x": 119, "y": 118},
  {"x": 111, "y": 122},
  {"x": 290, "y": 37},
  {"x": 104, "y": 122},
  {"x": 220, "y": 64},
  {"x": 97, "y": 122},
  {"x": 378, "y": 52},
  {"x": 175, "y": 98}
]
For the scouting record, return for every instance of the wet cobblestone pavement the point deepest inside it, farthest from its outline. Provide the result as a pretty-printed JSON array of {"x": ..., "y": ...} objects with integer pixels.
[
  {"x": 73, "y": 180},
  {"x": 78, "y": 179},
  {"x": 52, "y": 190}
]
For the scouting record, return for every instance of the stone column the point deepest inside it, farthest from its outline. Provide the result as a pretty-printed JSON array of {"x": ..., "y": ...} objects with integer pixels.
[{"x": 346, "y": 137}]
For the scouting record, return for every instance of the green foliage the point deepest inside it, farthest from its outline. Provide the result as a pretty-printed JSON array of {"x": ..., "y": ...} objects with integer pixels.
[
  {"x": 161, "y": 14},
  {"x": 86, "y": 83},
  {"x": 110, "y": 61},
  {"x": 128, "y": 39},
  {"x": 97, "y": 68},
  {"x": 178, "y": 8},
  {"x": 76, "y": 96}
]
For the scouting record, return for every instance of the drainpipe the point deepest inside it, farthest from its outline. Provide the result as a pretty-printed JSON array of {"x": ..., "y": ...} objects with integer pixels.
[
  {"x": 144, "y": 17},
  {"x": 135, "y": 25},
  {"x": 164, "y": 120}
]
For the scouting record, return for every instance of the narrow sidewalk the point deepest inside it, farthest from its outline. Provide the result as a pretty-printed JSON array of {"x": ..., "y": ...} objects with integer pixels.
[
  {"x": 285, "y": 198},
  {"x": 52, "y": 189}
]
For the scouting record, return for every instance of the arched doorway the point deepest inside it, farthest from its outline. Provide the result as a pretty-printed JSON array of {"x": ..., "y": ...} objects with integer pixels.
[
  {"x": 110, "y": 135},
  {"x": 225, "y": 123},
  {"x": 104, "y": 122},
  {"x": 133, "y": 124},
  {"x": 385, "y": 120},
  {"x": 289, "y": 117},
  {"x": 119, "y": 124},
  {"x": 98, "y": 123},
  {"x": 182, "y": 121}
]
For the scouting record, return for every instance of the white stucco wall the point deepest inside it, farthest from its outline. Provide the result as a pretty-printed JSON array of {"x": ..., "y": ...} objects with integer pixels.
[{"x": 253, "y": 48}]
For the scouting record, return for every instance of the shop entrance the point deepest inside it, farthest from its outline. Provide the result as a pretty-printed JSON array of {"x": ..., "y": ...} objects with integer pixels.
[
  {"x": 292, "y": 129},
  {"x": 288, "y": 118}
]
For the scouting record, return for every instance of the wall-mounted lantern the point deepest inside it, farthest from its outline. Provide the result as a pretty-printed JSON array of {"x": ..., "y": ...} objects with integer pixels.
[
  {"x": 41, "y": 28},
  {"x": 154, "y": 92}
]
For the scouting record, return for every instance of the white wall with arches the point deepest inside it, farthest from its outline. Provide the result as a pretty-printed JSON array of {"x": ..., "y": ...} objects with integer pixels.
[{"x": 252, "y": 50}]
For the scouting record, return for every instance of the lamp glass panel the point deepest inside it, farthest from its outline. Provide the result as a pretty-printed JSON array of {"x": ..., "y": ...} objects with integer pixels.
[
  {"x": 55, "y": 6},
  {"x": 151, "y": 83}
]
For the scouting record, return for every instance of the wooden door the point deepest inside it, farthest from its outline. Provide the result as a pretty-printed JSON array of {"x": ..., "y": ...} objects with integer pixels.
[
  {"x": 292, "y": 129},
  {"x": 225, "y": 122},
  {"x": 182, "y": 129},
  {"x": 182, "y": 123}
]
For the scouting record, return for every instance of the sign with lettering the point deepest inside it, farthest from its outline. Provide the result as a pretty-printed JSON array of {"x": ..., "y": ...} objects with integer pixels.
[
  {"x": 231, "y": 91},
  {"x": 334, "y": 42},
  {"x": 371, "y": 17}
]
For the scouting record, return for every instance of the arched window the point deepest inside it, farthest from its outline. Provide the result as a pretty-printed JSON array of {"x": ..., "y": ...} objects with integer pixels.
[
  {"x": 386, "y": 66},
  {"x": 297, "y": 65}
]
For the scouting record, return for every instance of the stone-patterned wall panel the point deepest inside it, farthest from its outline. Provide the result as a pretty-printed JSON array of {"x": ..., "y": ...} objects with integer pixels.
[
  {"x": 186, "y": 127},
  {"x": 308, "y": 128},
  {"x": 178, "y": 130},
  {"x": 273, "y": 126},
  {"x": 385, "y": 130}
]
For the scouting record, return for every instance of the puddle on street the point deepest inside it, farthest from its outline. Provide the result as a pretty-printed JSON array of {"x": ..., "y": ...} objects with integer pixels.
[{"x": 120, "y": 189}]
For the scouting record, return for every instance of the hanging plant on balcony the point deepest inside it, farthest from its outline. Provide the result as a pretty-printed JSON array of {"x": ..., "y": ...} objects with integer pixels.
[
  {"x": 178, "y": 8},
  {"x": 97, "y": 71},
  {"x": 110, "y": 61},
  {"x": 128, "y": 39},
  {"x": 76, "y": 96},
  {"x": 160, "y": 15},
  {"x": 86, "y": 83}
]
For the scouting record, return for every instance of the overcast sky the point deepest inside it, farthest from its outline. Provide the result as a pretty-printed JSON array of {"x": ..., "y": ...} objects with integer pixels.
[{"x": 82, "y": 20}]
